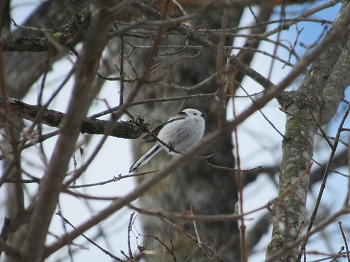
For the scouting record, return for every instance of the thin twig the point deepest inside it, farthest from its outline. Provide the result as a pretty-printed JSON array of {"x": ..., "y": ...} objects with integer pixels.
[
  {"x": 261, "y": 112},
  {"x": 239, "y": 186},
  {"x": 129, "y": 230},
  {"x": 16, "y": 161},
  {"x": 230, "y": 169},
  {"x": 70, "y": 253},
  {"x": 199, "y": 241},
  {"x": 194, "y": 238},
  {"x": 345, "y": 241},
  {"x": 325, "y": 176},
  {"x": 338, "y": 254},
  {"x": 66, "y": 221},
  {"x": 293, "y": 115},
  {"x": 114, "y": 179}
]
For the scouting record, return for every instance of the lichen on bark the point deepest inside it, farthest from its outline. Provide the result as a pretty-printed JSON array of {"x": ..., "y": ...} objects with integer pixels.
[{"x": 323, "y": 86}]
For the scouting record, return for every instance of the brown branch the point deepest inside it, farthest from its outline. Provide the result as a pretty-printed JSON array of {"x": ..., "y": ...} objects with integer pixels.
[
  {"x": 79, "y": 23},
  {"x": 10, "y": 251},
  {"x": 13, "y": 141},
  {"x": 216, "y": 255},
  {"x": 122, "y": 129},
  {"x": 50, "y": 186},
  {"x": 22, "y": 44},
  {"x": 345, "y": 241},
  {"x": 66, "y": 221},
  {"x": 65, "y": 36}
]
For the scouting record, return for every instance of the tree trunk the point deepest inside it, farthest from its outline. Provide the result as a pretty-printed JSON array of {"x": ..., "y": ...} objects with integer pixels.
[
  {"x": 320, "y": 92},
  {"x": 196, "y": 186}
]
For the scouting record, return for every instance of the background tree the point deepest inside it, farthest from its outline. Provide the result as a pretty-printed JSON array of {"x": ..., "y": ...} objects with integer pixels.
[{"x": 168, "y": 55}]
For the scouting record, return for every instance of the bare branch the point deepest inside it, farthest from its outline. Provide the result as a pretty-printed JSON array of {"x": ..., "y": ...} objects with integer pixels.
[
  {"x": 51, "y": 182},
  {"x": 129, "y": 130}
]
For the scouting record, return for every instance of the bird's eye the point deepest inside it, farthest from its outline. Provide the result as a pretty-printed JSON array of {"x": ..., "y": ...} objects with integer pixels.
[{"x": 195, "y": 114}]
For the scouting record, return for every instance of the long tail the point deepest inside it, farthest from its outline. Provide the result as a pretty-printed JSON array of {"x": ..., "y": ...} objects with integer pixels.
[{"x": 145, "y": 158}]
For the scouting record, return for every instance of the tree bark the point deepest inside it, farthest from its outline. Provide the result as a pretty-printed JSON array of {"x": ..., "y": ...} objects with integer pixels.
[
  {"x": 297, "y": 148},
  {"x": 14, "y": 62},
  {"x": 195, "y": 186}
]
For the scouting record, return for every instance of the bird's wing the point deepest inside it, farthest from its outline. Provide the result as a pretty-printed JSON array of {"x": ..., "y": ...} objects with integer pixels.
[{"x": 148, "y": 138}]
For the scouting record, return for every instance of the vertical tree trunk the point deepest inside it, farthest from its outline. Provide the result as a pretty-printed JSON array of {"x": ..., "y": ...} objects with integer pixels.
[
  {"x": 322, "y": 97},
  {"x": 208, "y": 191}
]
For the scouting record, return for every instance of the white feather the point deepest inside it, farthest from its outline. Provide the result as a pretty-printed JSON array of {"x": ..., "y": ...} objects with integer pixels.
[
  {"x": 146, "y": 157},
  {"x": 180, "y": 132}
]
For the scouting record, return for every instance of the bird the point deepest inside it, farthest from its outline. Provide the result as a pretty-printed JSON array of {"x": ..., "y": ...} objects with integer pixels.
[{"x": 180, "y": 132}]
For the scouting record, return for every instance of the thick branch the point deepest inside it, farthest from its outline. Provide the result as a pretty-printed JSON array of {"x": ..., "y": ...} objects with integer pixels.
[
  {"x": 23, "y": 44},
  {"x": 122, "y": 129},
  {"x": 336, "y": 84},
  {"x": 64, "y": 36},
  {"x": 19, "y": 84},
  {"x": 50, "y": 185}
]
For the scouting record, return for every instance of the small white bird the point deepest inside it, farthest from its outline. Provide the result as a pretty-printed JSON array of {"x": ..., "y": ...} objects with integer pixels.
[{"x": 180, "y": 132}]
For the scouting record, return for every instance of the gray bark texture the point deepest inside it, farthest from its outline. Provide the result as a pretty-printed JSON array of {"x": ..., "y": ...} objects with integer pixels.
[
  {"x": 195, "y": 186},
  {"x": 14, "y": 62},
  {"x": 321, "y": 91}
]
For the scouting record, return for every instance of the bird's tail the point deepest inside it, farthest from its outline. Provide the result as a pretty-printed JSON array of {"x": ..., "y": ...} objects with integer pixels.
[{"x": 145, "y": 158}]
